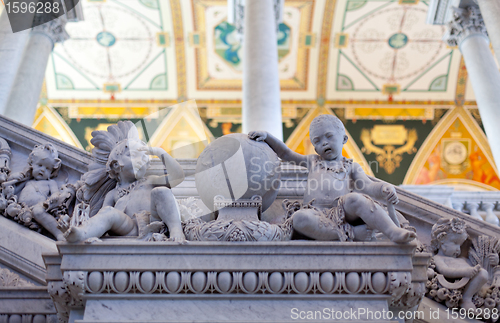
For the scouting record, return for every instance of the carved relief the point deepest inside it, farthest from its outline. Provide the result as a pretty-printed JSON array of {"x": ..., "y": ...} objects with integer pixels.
[
  {"x": 10, "y": 279},
  {"x": 459, "y": 282}
]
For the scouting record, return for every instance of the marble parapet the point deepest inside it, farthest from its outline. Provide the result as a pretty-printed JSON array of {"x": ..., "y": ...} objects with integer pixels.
[{"x": 126, "y": 280}]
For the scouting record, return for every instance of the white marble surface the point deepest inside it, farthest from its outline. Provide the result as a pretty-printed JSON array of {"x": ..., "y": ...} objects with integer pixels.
[
  {"x": 261, "y": 86},
  {"x": 11, "y": 52},
  {"x": 229, "y": 310}
]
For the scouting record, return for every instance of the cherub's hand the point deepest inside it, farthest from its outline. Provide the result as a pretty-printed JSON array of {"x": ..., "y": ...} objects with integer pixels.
[
  {"x": 154, "y": 151},
  {"x": 473, "y": 271},
  {"x": 493, "y": 257},
  {"x": 257, "y": 135},
  {"x": 389, "y": 192}
]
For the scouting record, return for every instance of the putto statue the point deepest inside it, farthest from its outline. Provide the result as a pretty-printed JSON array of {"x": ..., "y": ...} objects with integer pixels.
[
  {"x": 34, "y": 186},
  {"x": 122, "y": 199},
  {"x": 337, "y": 203},
  {"x": 455, "y": 279}
]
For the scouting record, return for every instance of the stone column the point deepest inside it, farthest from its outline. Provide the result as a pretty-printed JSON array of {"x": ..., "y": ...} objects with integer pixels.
[
  {"x": 11, "y": 52},
  {"x": 23, "y": 99},
  {"x": 261, "y": 85},
  {"x": 467, "y": 30},
  {"x": 490, "y": 9}
]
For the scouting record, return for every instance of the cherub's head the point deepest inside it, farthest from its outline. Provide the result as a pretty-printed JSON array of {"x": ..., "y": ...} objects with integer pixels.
[
  {"x": 447, "y": 235},
  {"x": 128, "y": 160},
  {"x": 43, "y": 162},
  {"x": 327, "y": 134}
]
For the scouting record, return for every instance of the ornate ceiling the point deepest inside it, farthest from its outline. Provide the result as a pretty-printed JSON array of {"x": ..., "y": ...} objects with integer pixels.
[{"x": 373, "y": 63}]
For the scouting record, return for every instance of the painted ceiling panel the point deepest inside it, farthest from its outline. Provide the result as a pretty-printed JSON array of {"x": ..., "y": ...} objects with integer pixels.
[
  {"x": 122, "y": 48},
  {"x": 382, "y": 49},
  {"x": 216, "y": 50}
]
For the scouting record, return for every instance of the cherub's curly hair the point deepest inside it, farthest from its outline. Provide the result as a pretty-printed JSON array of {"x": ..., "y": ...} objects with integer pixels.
[
  {"x": 329, "y": 119},
  {"x": 443, "y": 227},
  {"x": 39, "y": 151}
]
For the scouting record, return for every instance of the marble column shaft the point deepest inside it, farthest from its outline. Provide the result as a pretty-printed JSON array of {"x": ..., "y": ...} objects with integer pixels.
[
  {"x": 12, "y": 47},
  {"x": 490, "y": 10},
  {"x": 261, "y": 85},
  {"x": 23, "y": 100},
  {"x": 468, "y": 32}
]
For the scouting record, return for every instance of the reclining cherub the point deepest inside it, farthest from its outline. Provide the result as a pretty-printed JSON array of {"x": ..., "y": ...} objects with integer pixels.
[
  {"x": 338, "y": 191},
  {"x": 119, "y": 174}
]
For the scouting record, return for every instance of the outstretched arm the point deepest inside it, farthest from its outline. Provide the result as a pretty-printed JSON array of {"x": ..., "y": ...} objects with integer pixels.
[
  {"x": 175, "y": 173},
  {"x": 279, "y": 147}
]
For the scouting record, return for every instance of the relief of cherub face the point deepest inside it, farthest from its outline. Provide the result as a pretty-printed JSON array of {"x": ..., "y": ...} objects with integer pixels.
[
  {"x": 451, "y": 243},
  {"x": 328, "y": 140},
  {"x": 43, "y": 165}
]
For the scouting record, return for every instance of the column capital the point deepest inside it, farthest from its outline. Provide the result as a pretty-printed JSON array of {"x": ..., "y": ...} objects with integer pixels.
[
  {"x": 54, "y": 29},
  {"x": 465, "y": 22}
]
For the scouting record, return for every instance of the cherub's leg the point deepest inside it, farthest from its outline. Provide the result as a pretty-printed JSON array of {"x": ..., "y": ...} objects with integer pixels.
[
  {"x": 164, "y": 205},
  {"x": 311, "y": 224},
  {"x": 357, "y": 206},
  {"x": 47, "y": 221},
  {"x": 474, "y": 286},
  {"x": 107, "y": 219}
]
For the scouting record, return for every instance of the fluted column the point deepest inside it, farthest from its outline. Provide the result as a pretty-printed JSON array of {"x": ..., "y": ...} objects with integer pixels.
[
  {"x": 11, "y": 52},
  {"x": 467, "y": 31},
  {"x": 490, "y": 9},
  {"x": 261, "y": 85},
  {"x": 23, "y": 99}
]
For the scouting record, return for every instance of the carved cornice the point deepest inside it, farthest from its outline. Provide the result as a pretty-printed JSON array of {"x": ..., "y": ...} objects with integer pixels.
[
  {"x": 53, "y": 29},
  {"x": 466, "y": 22}
]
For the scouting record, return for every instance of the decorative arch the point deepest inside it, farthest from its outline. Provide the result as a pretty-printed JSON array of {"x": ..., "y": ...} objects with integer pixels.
[
  {"x": 50, "y": 122},
  {"x": 182, "y": 133},
  {"x": 455, "y": 153},
  {"x": 300, "y": 143}
]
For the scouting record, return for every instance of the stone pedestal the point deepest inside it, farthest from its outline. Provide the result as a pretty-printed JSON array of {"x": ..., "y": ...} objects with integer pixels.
[{"x": 129, "y": 281}]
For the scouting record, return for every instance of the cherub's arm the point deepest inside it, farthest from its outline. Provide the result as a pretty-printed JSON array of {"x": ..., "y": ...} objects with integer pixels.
[
  {"x": 454, "y": 272},
  {"x": 279, "y": 148},
  {"x": 54, "y": 188},
  {"x": 109, "y": 199},
  {"x": 378, "y": 190},
  {"x": 175, "y": 173}
]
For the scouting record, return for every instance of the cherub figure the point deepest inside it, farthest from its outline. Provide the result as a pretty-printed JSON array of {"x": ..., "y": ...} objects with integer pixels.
[
  {"x": 447, "y": 236},
  {"x": 338, "y": 191},
  {"x": 119, "y": 174},
  {"x": 36, "y": 185}
]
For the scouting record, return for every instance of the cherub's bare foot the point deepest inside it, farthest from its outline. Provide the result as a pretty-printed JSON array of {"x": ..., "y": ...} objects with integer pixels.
[
  {"x": 74, "y": 234},
  {"x": 177, "y": 237},
  {"x": 468, "y": 305},
  {"x": 402, "y": 236},
  {"x": 92, "y": 240},
  {"x": 60, "y": 237},
  {"x": 63, "y": 223}
]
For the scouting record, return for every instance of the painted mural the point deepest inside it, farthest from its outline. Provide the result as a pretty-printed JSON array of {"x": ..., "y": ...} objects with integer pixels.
[
  {"x": 456, "y": 153},
  {"x": 229, "y": 46}
]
